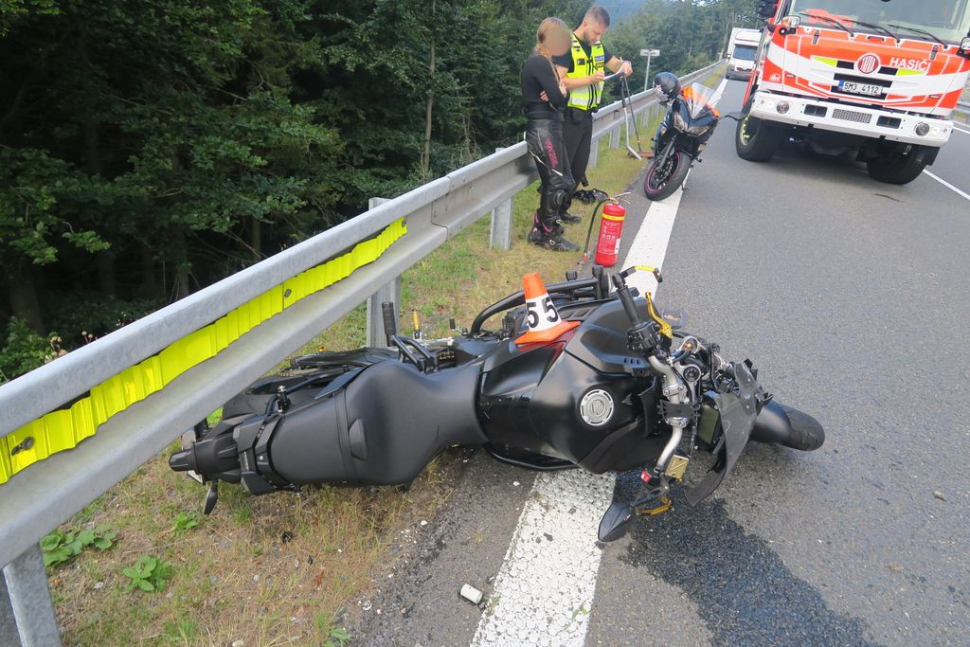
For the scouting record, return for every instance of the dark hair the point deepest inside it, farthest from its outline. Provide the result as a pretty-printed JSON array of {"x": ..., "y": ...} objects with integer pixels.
[{"x": 599, "y": 14}]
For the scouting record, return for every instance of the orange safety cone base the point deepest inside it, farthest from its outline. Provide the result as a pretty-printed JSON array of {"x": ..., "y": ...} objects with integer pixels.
[{"x": 549, "y": 334}]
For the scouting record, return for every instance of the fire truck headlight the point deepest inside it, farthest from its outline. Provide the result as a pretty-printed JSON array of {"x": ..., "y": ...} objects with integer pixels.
[
  {"x": 922, "y": 129},
  {"x": 782, "y": 107}
]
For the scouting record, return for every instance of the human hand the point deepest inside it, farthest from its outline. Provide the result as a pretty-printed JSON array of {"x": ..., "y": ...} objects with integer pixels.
[
  {"x": 598, "y": 77},
  {"x": 626, "y": 68},
  {"x": 544, "y": 96},
  {"x": 562, "y": 88}
]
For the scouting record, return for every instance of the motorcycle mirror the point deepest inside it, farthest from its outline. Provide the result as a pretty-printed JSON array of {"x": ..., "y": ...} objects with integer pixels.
[{"x": 615, "y": 522}]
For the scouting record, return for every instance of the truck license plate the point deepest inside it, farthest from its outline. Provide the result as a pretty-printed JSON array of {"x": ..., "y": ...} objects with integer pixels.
[{"x": 860, "y": 88}]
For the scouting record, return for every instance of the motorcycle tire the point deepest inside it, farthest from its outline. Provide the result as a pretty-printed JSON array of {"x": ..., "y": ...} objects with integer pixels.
[
  {"x": 807, "y": 434},
  {"x": 674, "y": 180}
]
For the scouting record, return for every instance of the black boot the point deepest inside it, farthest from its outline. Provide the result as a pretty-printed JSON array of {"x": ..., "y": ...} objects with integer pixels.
[{"x": 550, "y": 237}]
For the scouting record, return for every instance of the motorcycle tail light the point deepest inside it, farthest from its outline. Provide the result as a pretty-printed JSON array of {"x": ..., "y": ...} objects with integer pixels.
[{"x": 645, "y": 476}]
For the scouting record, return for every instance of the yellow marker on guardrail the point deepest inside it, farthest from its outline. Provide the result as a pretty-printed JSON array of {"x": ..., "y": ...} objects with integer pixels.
[{"x": 65, "y": 428}]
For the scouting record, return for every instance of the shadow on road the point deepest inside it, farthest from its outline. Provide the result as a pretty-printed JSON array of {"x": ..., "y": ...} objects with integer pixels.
[{"x": 744, "y": 592}]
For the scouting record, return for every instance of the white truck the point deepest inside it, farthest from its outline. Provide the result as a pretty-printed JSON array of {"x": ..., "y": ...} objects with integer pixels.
[{"x": 742, "y": 52}]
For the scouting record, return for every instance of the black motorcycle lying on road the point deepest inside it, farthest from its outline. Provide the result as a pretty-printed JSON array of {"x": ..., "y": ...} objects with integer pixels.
[
  {"x": 615, "y": 388},
  {"x": 682, "y": 135}
]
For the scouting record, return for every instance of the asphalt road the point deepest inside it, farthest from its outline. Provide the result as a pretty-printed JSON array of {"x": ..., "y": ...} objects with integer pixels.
[{"x": 851, "y": 298}]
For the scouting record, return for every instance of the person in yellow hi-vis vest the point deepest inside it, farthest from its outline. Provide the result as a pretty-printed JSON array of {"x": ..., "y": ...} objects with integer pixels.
[{"x": 582, "y": 70}]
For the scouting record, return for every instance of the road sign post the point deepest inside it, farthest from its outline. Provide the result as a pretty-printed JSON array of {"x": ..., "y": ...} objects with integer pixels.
[{"x": 649, "y": 53}]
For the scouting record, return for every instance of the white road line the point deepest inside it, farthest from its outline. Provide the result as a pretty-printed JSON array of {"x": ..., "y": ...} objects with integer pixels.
[
  {"x": 961, "y": 130},
  {"x": 544, "y": 590},
  {"x": 649, "y": 247},
  {"x": 963, "y": 194}
]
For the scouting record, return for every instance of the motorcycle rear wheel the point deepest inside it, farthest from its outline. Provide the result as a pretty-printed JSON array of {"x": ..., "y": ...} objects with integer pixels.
[{"x": 665, "y": 176}]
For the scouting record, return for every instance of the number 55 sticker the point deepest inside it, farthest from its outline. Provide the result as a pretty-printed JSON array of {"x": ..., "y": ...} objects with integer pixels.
[{"x": 542, "y": 314}]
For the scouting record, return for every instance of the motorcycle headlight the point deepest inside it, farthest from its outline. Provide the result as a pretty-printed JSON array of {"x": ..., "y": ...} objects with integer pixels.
[
  {"x": 679, "y": 122},
  {"x": 697, "y": 131}
]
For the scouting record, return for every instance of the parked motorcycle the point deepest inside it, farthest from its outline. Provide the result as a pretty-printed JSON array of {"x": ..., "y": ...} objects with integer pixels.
[
  {"x": 682, "y": 135},
  {"x": 612, "y": 386}
]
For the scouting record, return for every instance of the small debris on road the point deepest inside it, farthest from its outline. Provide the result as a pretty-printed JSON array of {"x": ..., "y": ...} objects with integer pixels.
[
  {"x": 366, "y": 606},
  {"x": 424, "y": 523},
  {"x": 939, "y": 495},
  {"x": 471, "y": 594},
  {"x": 516, "y": 483}
]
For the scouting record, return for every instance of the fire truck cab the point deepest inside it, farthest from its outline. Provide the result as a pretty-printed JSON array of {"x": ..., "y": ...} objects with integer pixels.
[{"x": 874, "y": 77}]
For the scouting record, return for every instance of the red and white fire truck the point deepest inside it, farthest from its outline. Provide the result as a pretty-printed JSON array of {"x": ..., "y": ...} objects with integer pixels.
[{"x": 879, "y": 78}]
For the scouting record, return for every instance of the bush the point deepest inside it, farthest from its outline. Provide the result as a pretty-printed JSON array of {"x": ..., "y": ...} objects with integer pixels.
[
  {"x": 24, "y": 350},
  {"x": 81, "y": 316}
]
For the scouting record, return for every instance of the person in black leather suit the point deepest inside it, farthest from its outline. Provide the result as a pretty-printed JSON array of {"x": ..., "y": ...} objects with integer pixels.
[{"x": 543, "y": 97}]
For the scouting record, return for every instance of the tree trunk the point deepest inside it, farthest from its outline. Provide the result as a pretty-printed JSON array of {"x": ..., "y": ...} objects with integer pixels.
[
  {"x": 256, "y": 239},
  {"x": 107, "y": 284},
  {"x": 180, "y": 265},
  {"x": 149, "y": 287},
  {"x": 426, "y": 155},
  {"x": 22, "y": 295}
]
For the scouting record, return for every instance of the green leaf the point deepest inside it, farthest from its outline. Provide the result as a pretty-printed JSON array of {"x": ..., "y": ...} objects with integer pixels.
[
  {"x": 51, "y": 541},
  {"x": 103, "y": 543},
  {"x": 86, "y": 537},
  {"x": 145, "y": 585}
]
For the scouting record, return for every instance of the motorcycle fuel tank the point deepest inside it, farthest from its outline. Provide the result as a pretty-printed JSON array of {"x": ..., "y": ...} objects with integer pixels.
[{"x": 574, "y": 398}]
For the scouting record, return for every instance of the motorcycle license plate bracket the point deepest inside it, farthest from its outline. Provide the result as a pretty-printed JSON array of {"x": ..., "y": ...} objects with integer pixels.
[{"x": 738, "y": 412}]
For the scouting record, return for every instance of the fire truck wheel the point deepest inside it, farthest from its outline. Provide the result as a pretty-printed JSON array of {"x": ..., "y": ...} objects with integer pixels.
[
  {"x": 756, "y": 139},
  {"x": 898, "y": 167}
]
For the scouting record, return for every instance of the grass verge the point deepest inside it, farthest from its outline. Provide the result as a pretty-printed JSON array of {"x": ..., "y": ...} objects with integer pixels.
[{"x": 281, "y": 569}]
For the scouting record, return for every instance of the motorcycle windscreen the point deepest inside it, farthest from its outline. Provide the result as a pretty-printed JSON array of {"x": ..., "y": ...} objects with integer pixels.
[
  {"x": 738, "y": 414},
  {"x": 699, "y": 98}
]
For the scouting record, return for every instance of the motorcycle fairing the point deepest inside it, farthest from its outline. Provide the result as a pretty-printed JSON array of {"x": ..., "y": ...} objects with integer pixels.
[{"x": 738, "y": 412}]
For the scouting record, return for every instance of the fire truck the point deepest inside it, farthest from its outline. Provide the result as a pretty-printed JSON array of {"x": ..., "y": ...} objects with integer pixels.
[{"x": 874, "y": 78}]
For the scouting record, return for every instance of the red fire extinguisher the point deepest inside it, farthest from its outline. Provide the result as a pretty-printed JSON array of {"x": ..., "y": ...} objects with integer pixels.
[{"x": 611, "y": 228}]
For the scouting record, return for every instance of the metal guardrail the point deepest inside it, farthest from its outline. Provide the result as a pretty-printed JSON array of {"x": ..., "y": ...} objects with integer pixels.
[
  {"x": 46, "y": 494},
  {"x": 963, "y": 109}
]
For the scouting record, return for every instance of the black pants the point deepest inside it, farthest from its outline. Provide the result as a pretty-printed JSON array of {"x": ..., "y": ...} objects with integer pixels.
[
  {"x": 545, "y": 140},
  {"x": 578, "y": 133}
]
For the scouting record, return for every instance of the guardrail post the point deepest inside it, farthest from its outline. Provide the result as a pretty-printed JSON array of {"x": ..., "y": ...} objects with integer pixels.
[
  {"x": 26, "y": 610},
  {"x": 500, "y": 231},
  {"x": 388, "y": 292},
  {"x": 615, "y": 137},
  {"x": 500, "y": 234},
  {"x": 594, "y": 152}
]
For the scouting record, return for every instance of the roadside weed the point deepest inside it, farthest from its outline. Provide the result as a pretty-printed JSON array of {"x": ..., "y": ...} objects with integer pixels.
[{"x": 148, "y": 574}]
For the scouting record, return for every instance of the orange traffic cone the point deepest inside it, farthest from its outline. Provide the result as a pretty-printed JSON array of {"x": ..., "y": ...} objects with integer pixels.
[{"x": 542, "y": 317}]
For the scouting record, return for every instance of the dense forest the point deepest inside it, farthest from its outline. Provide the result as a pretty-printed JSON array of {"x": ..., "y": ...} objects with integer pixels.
[{"x": 150, "y": 147}]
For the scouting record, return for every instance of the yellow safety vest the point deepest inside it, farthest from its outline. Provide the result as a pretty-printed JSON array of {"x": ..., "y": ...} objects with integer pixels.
[{"x": 588, "y": 96}]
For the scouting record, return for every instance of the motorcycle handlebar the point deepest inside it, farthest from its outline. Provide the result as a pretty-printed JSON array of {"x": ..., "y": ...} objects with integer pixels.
[{"x": 629, "y": 305}]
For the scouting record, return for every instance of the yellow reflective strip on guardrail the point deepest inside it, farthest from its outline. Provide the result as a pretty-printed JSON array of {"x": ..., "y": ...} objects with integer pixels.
[{"x": 65, "y": 428}]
